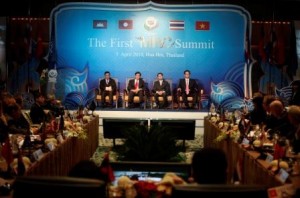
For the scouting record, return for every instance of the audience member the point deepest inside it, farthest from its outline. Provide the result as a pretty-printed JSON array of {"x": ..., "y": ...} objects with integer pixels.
[
  {"x": 279, "y": 123},
  {"x": 258, "y": 114},
  {"x": 209, "y": 166},
  {"x": 37, "y": 112},
  {"x": 3, "y": 125},
  {"x": 267, "y": 101},
  {"x": 294, "y": 118},
  {"x": 86, "y": 169},
  {"x": 16, "y": 121},
  {"x": 161, "y": 88},
  {"x": 295, "y": 99}
]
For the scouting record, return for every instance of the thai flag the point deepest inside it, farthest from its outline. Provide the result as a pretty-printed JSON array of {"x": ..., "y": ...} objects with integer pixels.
[{"x": 176, "y": 25}]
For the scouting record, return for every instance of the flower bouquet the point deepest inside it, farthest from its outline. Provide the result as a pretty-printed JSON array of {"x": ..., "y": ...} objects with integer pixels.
[{"x": 228, "y": 132}]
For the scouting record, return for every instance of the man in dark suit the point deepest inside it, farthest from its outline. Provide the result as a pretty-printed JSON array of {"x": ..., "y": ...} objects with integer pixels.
[
  {"x": 107, "y": 88},
  {"x": 188, "y": 88},
  {"x": 161, "y": 88},
  {"x": 37, "y": 113},
  {"x": 295, "y": 99},
  {"x": 136, "y": 87}
]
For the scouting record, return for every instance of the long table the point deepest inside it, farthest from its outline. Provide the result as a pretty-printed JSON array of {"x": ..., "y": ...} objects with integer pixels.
[
  {"x": 59, "y": 161},
  {"x": 253, "y": 170}
]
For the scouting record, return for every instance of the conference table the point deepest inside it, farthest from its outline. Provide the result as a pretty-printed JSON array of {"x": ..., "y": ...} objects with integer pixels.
[
  {"x": 252, "y": 169},
  {"x": 59, "y": 161}
]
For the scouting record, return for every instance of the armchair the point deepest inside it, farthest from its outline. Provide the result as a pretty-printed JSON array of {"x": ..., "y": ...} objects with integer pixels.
[
  {"x": 160, "y": 98},
  {"x": 115, "y": 95},
  {"x": 136, "y": 99},
  {"x": 192, "y": 99}
]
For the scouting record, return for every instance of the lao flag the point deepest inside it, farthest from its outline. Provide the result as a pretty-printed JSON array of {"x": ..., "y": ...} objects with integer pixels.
[
  {"x": 100, "y": 24},
  {"x": 202, "y": 25},
  {"x": 125, "y": 24}
]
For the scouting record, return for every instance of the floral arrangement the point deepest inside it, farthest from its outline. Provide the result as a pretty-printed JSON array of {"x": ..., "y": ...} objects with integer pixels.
[
  {"x": 74, "y": 129},
  {"x": 228, "y": 131},
  {"x": 148, "y": 188}
]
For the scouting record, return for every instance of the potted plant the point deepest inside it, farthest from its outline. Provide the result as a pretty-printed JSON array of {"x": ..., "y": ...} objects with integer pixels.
[{"x": 155, "y": 143}]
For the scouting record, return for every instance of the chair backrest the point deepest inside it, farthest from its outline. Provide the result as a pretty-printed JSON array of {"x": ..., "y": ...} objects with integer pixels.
[
  {"x": 53, "y": 186},
  {"x": 220, "y": 190}
]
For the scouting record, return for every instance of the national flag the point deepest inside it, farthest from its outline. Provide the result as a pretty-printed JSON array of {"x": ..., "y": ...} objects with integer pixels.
[
  {"x": 176, "y": 25},
  {"x": 202, "y": 25},
  {"x": 247, "y": 66},
  {"x": 279, "y": 151},
  {"x": 99, "y": 24},
  {"x": 7, "y": 151},
  {"x": 39, "y": 52},
  {"x": 125, "y": 24},
  {"x": 293, "y": 59},
  {"x": 106, "y": 169},
  {"x": 261, "y": 44},
  {"x": 272, "y": 193},
  {"x": 52, "y": 55}
]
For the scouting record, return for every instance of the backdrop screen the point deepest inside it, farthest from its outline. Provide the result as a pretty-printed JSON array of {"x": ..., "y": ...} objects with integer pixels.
[{"x": 90, "y": 38}]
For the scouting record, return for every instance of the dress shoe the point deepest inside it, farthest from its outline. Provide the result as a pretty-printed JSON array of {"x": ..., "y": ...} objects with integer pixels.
[
  {"x": 130, "y": 106},
  {"x": 141, "y": 106}
]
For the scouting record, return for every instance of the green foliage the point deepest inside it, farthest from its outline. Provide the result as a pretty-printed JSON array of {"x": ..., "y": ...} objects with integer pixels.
[{"x": 157, "y": 143}]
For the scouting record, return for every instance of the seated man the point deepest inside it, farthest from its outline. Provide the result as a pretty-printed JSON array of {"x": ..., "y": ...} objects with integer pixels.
[
  {"x": 37, "y": 113},
  {"x": 279, "y": 124},
  {"x": 136, "y": 87},
  {"x": 108, "y": 88},
  {"x": 16, "y": 122},
  {"x": 188, "y": 88},
  {"x": 161, "y": 87}
]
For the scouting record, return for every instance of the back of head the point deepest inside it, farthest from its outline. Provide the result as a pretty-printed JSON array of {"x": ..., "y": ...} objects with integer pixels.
[
  {"x": 294, "y": 114},
  {"x": 53, "y": 186},
  {"x": 276, "y": 108},
  {"x": 209, "y": 166},
  {"x": 86, "y": 169},
  {"x": 258, "y": 100}
]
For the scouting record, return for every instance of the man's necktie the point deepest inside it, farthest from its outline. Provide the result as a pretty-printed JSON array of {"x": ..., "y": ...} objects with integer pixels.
[
  {"x": 187, "y": 90},
  {"x": 136, "y": 84}
]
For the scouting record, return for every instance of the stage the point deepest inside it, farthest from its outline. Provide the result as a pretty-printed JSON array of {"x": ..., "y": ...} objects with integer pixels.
[{"x": 149, "y": 117}]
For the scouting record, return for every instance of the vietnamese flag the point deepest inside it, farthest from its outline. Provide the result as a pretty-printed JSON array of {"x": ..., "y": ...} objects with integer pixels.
[{"x": 202, "y": 25}]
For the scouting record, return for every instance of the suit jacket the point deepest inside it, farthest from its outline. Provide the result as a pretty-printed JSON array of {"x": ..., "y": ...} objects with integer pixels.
[
  {"x": 164, "y": 87},
  {"x": 37, "y": 114},
  {"x": 131, "y": 84},
  {"x": 295, "y": 99},
  {"x": 111, "y": 83},
  {"x": 193, "y": 86}
]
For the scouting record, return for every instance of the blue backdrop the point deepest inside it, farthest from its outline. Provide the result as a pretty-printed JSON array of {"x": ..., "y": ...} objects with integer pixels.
[{"x": 90, "y": 38}]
